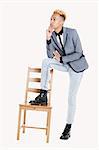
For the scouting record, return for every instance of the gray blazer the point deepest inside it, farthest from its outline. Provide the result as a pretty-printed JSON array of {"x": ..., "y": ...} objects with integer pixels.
[{"x": 73, "y": 55}]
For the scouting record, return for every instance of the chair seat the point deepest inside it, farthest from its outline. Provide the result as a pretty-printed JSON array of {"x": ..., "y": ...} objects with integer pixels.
[{"x": 35, "y": 107}]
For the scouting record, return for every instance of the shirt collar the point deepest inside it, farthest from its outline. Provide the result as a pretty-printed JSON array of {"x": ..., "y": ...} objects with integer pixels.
[{"x": 59, "y": 33}]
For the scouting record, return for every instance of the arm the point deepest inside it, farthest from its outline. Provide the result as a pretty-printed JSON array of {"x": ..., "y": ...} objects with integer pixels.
[
  {"x": 50, "y": 48},
  {"x": 78, "y": 49},
  {"x": 49, "y": 45}
]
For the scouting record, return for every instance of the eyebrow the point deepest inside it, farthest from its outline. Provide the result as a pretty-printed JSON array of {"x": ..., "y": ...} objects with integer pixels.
[{"x": 53, "y": 17}]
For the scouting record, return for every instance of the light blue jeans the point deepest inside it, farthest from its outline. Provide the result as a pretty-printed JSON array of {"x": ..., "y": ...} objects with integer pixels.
[{"x": 75, "y": 79}]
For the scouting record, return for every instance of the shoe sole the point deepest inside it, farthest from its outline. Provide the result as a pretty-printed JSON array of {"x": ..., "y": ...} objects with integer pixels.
[
  {"x": 65, "y": 138},
  {"x": 39, "y": 104}
]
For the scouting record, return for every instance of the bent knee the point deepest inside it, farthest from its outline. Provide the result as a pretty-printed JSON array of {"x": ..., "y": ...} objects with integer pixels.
[{"x": 46, "y": 61}]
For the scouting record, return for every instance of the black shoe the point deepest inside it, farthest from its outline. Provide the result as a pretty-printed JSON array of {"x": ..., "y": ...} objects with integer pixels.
[
  {"x": 41, "y": 99},
  {"x": 65, "y": 136},
  {"x": 66, "y": 133}
]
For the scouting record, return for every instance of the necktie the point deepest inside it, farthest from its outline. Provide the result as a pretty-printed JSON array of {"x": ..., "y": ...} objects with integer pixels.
[{"x": 61, "y": 43}]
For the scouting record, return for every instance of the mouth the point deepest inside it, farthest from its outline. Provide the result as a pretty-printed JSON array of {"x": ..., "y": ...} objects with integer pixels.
[{"x": 51, "y": 25}]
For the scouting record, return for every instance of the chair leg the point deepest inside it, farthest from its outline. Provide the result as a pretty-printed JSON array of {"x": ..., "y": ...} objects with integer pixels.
[
  {"x": 24, "y": 120},
  {"x": 48, "y": 126},
  {"x": 19, "y": 121},
  {"x": 47, "y": 123}
]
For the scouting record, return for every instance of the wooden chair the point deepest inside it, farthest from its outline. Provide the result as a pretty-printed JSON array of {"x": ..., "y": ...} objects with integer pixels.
[{"x": 26, "y": 106}]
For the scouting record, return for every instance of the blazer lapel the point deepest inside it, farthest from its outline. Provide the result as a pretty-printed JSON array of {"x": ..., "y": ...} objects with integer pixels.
[{"x": 55, "y": 40}]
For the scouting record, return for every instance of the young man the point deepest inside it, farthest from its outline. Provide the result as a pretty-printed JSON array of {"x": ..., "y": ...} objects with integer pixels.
[{"x": 65, "y": 53}]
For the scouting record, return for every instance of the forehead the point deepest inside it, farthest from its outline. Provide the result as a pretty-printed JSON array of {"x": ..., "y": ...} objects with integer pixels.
[{"x": 56, "y": 16}]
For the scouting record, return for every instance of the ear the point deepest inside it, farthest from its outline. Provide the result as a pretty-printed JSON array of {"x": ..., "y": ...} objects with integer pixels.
[{"x": 62, "y": 23}]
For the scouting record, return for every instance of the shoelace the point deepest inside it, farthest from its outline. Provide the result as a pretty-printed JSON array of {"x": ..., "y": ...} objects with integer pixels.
[{"x": 42, "y": 94}]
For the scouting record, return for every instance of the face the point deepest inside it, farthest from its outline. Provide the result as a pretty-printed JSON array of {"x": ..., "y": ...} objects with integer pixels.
[{"x": 56, "y": 21}]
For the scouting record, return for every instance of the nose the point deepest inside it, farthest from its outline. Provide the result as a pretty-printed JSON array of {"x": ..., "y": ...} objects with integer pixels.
[{"x": 51, "y": 23}]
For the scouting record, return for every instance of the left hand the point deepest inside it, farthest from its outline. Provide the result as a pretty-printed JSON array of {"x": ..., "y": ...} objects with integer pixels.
[{"x": 56, "y": 55}]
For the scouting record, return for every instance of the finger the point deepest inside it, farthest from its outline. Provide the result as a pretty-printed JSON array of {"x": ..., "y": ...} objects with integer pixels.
[
  {"x": 50, "y": 29},
  {"x": 57, "y": 52},
  {"x": 54, "y": 53}
]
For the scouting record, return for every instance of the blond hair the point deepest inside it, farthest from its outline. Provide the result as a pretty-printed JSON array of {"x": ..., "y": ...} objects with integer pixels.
[{"x": 60, "y": 12}]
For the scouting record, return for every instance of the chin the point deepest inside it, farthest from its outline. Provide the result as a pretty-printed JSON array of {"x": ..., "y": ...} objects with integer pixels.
[{"x": 54, "y": 28}]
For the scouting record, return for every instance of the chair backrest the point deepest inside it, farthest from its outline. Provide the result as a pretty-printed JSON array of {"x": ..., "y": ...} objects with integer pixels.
[{"x": 31, "y": 79}]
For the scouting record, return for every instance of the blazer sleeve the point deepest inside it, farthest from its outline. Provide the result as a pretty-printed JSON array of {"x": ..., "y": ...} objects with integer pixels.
[
  {"x": 77, "y": 49},
  {"x": 50, "y": 49}
]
